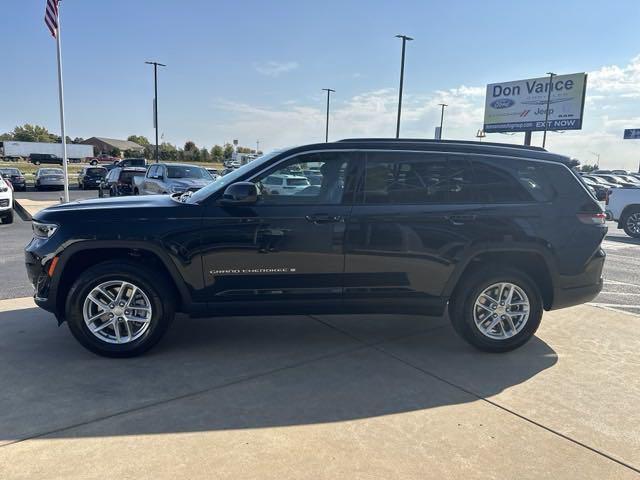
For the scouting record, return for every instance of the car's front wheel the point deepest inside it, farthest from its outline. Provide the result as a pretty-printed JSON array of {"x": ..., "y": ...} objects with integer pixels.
[
  {"x": 119, "y": 309},
  {"x": 497, "y": 309}
]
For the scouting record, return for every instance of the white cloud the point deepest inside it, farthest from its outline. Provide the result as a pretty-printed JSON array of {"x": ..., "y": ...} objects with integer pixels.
[
  {"x": 274, "y": 69},
  {"x": 613, "y": 101}
]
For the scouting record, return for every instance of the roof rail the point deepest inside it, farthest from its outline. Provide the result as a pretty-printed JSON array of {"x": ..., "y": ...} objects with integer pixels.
[{"x": 449, "y": 142}]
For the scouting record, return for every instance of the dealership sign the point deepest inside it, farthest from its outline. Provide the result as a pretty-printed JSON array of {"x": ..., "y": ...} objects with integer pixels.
[
  {"x": 631, "y": 133},
  {"x": 521, "y": 106}
]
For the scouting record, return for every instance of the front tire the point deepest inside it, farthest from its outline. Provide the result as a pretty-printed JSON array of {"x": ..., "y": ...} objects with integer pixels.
[
  {"x": 8, "y": 218},
  {"x": 497, "y": 309},
  {"x": 119, "y": 308},
  {"x": 631, "y": 223}
]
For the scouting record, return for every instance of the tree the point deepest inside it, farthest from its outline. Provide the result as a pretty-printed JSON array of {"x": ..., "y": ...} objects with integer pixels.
[
  {"x": 168, "y": 152},
  {"x": 189, "y": 146},
  {"x": 33, "y": 133},
  {"x": 217, "y": 153},
  {"x": 139, "y": 139},
  {"x": 6, "y": 136},
  {"x": 115, "y": 152},
  {"x": 204, "y": 155},
  {"x": 588, "y": 168},
  {"x": 228, "y": 151},
  {"x": 78, "y": 140}
]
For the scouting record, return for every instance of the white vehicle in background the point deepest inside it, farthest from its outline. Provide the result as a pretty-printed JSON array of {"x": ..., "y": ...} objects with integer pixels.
[
  {"x": 12, "y": 150},
  {"x": 285, "y": 184},
  {"x": 623, "y": 206},
  {"x": 6, "y": 201}
]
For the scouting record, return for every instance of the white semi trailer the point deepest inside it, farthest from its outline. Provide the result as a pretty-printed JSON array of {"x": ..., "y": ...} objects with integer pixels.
[{"x": 13, "y": 150}]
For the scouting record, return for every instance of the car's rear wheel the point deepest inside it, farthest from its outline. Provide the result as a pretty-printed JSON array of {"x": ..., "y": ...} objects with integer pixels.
[
  {"x": 631, "y": 223},
  {"x": 119, "y": 309},
  {"x": 8, "y": 218},
  {"x": 497, "y": 309}
]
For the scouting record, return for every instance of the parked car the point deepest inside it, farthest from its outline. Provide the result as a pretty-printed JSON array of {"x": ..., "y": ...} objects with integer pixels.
[
  {"x": 601, "y": 181},
  {"x": 213, "y": 172},
  {"x": 39, "y": 158},
  {"x": 164, "y": 178},
  {"x": 615, "y": 180},
  {"x": 49, "y": 178},
  {"x": 132, "y": 162},
  {"x": 495, "y": 233},
  {"x": 284, "y": 184},
  {"x": 619, "y": 172},
  {"x": 15, "y": 176},
  {"x": 623, "y": 206},
  {"x": 6, "y": 201},
  {"x": 599, "y": 190},
  {"x": 91, "y": 177},
  {"x": 119, "y": 181}
]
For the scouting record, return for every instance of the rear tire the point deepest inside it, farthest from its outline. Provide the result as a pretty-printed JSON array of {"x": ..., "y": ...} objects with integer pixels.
[
  {"x": 471, "y": 320},
  {"x": 631, "y": 223},
  {"x": 152, "y": 289},
  {"x": 8, "y": 217}
]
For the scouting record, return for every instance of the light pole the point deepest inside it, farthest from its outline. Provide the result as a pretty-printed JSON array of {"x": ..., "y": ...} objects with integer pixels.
[
  {"x": 443, "y": 105},
  {"x": 546, "y": 114},
  {"x": 155, "y": 102},
  {"x": 404, "y": 42},
  {"x": 326, "y": 131},
  {"x": 257, "y": 146}
]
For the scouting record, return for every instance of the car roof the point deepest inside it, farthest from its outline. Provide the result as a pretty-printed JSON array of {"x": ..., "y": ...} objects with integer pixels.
[
  {"x": 179, "y": 165},
  {"x": 453, "y": 146},
  {"x": 133, "y": 169}
]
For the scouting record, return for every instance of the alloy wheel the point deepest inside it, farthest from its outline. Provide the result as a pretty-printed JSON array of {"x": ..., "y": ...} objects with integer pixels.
[
  {"x": 633, "y": 223},
  {"x": 117, "y": 312},
  {"x": 501, "y": 310}
]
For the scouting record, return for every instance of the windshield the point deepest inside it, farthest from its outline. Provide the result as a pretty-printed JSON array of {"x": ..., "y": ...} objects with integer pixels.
[
  {"x": 184, "y": 171},
  {"x": 9, "y": 171},
  {"x": 97, "y": 171},
  {"x": 229, "y": 178}
]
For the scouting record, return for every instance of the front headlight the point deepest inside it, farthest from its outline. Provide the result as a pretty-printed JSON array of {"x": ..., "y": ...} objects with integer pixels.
[
  {"x": 4, "y": 189},
  {"x": 43, "y": 230},
  {"x": 177, "y": 189}
]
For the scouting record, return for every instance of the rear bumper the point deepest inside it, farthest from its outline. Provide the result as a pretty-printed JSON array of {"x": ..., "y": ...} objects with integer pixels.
[{"x": 570, "y": 290}]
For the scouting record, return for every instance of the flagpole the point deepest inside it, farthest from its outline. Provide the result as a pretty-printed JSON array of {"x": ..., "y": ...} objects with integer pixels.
[{"x": 61, "y": 97}]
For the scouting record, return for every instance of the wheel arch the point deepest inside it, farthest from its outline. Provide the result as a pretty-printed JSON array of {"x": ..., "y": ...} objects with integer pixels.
[
  {"x": 78, "y": 258},
  {"x": 530, "y": 261},
  {"x": 625, "y": 212}
]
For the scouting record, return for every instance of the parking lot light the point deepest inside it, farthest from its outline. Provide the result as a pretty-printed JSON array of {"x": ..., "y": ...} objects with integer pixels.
[{"x": 404, "y": 42}]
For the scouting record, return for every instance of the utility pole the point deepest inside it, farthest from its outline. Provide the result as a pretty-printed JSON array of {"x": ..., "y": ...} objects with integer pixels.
[
  {"x": 257, "y": 146},
  {"x": 443, "y": 105},
  {"x": 155, "y": 102},
  {"x": 326, "y": 131},
  {"x": 598, "y": 158},
  {"x": 546, "y": 115},
  {"x": 404, "y": 42}
]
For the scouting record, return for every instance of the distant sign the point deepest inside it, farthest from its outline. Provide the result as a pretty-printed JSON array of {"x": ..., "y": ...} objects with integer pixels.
[
  {"x": 521, "y": 106},
  {"x": 632, "y": 133}
]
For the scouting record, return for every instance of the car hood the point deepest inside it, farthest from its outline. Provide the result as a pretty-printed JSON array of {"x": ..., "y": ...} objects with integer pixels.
[
  {"x": 106, "y": 207},
  {"x": 189, "y": 182}
]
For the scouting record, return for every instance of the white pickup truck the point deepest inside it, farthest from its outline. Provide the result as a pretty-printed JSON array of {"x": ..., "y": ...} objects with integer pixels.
[{"x": 623, "y": 206}]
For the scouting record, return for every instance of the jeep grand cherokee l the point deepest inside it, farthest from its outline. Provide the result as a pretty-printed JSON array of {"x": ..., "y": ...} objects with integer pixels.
[{"x": 493, "y": 232}]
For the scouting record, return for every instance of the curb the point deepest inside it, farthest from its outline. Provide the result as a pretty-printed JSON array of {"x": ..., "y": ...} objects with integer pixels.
[{"x": 24, "y": 215}]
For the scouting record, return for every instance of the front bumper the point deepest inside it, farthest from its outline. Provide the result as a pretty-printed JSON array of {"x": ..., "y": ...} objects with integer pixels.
[{"x": 43, "y": 295}]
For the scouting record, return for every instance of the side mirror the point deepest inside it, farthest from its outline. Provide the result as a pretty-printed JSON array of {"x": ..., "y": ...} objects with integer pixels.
[{"x": 240, "y": 193}]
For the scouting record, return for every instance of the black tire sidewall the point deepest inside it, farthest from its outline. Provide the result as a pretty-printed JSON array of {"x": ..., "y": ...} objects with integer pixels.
[
  {"x": 624, "y": 224},
  {"x": 476, "y": 283},
  {"x": 156, "y": 291}
]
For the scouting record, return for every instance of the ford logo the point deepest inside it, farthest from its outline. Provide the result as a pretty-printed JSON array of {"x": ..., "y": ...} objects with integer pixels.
[{"x": 502, "y": 103}]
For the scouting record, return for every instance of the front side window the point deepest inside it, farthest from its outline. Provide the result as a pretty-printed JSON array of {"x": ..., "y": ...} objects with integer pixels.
[
  {"x": 288, "y": 184},
  {"x": 181, "y": 171}
]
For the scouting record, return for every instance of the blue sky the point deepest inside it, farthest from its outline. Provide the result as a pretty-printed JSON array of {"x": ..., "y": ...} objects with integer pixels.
[{"x": 255, "y": 70}]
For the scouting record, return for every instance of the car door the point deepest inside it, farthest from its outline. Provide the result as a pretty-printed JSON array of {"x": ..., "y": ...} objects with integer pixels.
[
  {"x": 285, "y": 252},
  {"x": 409, "y": 231},
  {"x": 148, "y": 185}
]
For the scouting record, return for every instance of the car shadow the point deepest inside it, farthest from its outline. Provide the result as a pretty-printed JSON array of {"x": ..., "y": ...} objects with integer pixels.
[
  {"x": 628, "y": 240},
  {"x": 245, "y": 372}
]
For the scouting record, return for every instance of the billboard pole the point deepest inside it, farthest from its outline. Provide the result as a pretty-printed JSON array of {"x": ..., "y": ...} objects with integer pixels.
[
  {"x": 527, "y": 137},
  {"x": 546, "y": 115}
]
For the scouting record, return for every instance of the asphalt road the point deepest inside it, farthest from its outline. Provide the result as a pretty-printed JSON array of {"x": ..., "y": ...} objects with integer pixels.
[{"x": 622, "y": 269}]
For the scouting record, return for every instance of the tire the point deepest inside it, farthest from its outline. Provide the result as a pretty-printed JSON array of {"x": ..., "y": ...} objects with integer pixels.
[
  {"x": 8, "y": 217},
  {"x": 136, "y": 191},
  {"x": 631, "y": 223},
  {"x": 156, "y": 292},
  {"x": 93, "y": 162},
  {"x": 464, "y": 312}
]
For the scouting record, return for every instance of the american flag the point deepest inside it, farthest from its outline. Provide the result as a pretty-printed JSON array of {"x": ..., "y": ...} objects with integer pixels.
[{"x": 51, "y": 16}]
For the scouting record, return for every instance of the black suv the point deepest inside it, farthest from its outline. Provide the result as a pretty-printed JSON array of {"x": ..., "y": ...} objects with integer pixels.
[
  {"x": 497, "y": 233},
  {"x": 38, "y": 158},
  {"x": 91, "y": 177}
]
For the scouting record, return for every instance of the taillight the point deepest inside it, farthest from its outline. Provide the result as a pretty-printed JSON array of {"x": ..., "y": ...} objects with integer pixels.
[{"x": 592, "y": 218}]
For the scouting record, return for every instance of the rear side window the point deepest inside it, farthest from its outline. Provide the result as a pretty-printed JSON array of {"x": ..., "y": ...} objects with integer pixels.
[{"x": 424, "y": 178}]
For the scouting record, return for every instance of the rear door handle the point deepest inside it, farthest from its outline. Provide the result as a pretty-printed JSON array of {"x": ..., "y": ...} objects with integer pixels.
[
  {"x": 323, "y": 218},
  {"x": 462, "y": 219}
]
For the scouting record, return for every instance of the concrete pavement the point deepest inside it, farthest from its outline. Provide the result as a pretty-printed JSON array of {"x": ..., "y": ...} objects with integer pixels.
[{"x": 322, "y": 397}]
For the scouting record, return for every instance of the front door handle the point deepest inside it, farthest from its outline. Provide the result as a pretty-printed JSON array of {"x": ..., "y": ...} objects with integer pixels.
[
  {"x": 461, "y": 219},
  {"x": 323, "y": 218}
]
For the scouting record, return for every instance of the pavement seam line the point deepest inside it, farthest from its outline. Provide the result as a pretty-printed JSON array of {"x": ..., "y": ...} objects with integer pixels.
[
  {"x": 376, "y": 347},
  {"x": 512, "y": 412},
  {"x": 362, "y": 346}
]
